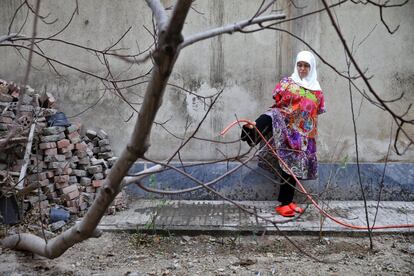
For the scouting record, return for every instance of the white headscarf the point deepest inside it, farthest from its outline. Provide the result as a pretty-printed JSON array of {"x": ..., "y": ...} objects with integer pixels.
[{"x": 311, "y": 81}]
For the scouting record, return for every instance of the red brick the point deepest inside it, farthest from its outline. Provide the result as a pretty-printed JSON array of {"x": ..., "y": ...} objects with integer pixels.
[
  {"x": 43, "y": 183},
  {"x": 90, "y": 189},
  {"x": 73, "y": 135},
  {"x": 61, "y": 178},
  {"x": 81, "y": 146},
  {"x": 97, "y": 183},
  {"x": 6, "y": 120},
  {"x": 50, "y": 174},
  {"x": 38, "y": 176},
  {"x": 73, "y": 203},
  {"x": 49, "y": 145},
  {"x": 61, "y": 185},
  {"x": 67, "y": 170},
  {"x": 63, "y": 143},
  {"x": 73, "y": 210},
  {"x": 70, "y": 188},
  {"x": 72, "y": 195},
  {"x": 51, "y": 151},
  {"x": 66, "y": 149}
]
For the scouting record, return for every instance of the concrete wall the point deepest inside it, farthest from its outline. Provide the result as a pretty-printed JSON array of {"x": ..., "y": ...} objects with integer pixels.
[{"x": 246, "y": 66}]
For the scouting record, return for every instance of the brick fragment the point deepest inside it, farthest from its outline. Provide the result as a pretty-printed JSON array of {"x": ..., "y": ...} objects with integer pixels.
[
  {"x": 61, "y": 178},
  {"x": 6, "y": 120},
  {"x": 81, "y": 153},
  {"x": 55, "y": 158},
  {"x": 47, "y": 145},
  {"x": 105, "y": 148},
  {"x": 63, "y": 143},
  {"x": 44, "y": 182},
  {"x": 74, "y": 159},
  {"x": 90, "y": 134},
  {"x": 5, "y": 127},
  {"x": 67, "y": 170},
  {"x": 53, "y": 130},
  {"x": 89, "y": 152},
  {"x": 84, "y": 161},
  {"x": 97, "y": 183},
  {"x": 72, "y": 128},
  {"x": 81, "y": 146},
  {"x": 5, "y": 98},
  {"x": 52, "y": 151},
  {"x": 82, "y": 166},
  {"x": 73, "y": 203},
  {"x": 40, "y": 176},
  {"x": 52, "y": 138},
  {"x": 50, "y": 174},
  {"x": 66, "y": 149},
  {"x": 106, "y": 155},
  {"x": 102, "y": 134},
  {"x": 79, "y": 173},
  {"x": 70, "y": 189},
  {"x": 111, "y": 161},
  {"x": 71, "y": 195},
  {"x": 74, "y": 137},
  {"x": 50, "y": 188},
  {"x": 8, "y": 113},
  {"x": 73, "y": 210},
  {"x": 98, "y": 176},
  {"x": 26, "y": 108},
  {"x": 73, "y": 179},
  {"x": 61, "y": 185},
  {"x": 95, "y": 169},
  {"x": 103, "y": 142},
  {"x": 57, "y": 165},
  {"x": 90, "y": 189},
  {"x": 85, "y": 181}
]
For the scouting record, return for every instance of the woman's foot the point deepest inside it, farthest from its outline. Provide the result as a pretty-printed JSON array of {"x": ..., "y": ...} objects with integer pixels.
[
  {"x": 295, "y": 208},
  {"x": 285, "y": 211}
]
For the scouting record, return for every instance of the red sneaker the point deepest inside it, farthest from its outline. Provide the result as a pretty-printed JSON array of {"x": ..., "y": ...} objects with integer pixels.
[
  {"x": 295, "y": 208},
  {"x": 285, "y": 211}
]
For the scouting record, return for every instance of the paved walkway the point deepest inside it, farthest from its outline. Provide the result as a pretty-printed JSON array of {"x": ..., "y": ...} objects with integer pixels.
[{"x": 219, "y": 216}]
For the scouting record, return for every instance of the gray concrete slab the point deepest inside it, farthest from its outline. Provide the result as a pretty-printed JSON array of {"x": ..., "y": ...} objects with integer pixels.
[{"x": 220, "y": 216}]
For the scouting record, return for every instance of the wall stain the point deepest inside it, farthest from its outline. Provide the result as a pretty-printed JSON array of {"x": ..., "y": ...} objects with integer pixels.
[{"x": 217, "y": 56}]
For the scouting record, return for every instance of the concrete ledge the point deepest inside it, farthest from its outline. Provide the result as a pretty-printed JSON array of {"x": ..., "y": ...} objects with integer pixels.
[
  {"x": 192, "y": 216},
  {"x": 336, "y": 181}
]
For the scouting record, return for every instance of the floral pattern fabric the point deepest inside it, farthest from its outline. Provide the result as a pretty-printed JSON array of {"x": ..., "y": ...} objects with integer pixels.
[{"x": 294, "y": 122}]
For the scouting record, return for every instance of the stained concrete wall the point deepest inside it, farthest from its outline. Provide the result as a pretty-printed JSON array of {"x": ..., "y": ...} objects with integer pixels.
[{"x": 246, "y": 66}]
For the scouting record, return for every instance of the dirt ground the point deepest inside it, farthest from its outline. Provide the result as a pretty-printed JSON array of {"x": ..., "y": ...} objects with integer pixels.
[{"x": 144, "y": 254}]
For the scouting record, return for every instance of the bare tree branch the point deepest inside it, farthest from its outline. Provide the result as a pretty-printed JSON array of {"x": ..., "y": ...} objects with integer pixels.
[
  {"x": 159, "y": 12},
  {"x": 9, "y": 37},
  {"x": 229, "y": 29}
]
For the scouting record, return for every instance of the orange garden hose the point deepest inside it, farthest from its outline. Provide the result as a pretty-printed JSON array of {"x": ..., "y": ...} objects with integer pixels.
[{"x": 323, "y": 212}]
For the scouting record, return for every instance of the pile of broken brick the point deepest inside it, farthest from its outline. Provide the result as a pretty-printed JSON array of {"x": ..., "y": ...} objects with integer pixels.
[{"x": 54, "y": 167}]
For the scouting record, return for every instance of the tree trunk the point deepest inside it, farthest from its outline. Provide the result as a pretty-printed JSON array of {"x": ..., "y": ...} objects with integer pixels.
[{"x": 164, "y": 56}]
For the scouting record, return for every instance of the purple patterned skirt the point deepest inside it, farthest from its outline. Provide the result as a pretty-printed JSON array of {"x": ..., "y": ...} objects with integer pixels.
[{"x": 296, "y": 150}]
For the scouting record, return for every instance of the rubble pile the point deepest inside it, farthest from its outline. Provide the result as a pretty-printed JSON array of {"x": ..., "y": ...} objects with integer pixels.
[{"x": 64, "y": 170}]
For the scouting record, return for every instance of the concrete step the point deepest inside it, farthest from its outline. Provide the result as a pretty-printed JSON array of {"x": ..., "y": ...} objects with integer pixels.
[{"x": 221, "y": 216}]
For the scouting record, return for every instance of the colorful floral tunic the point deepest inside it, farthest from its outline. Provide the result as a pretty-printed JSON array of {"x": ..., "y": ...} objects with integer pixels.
[{"x": 294, "y": 121}]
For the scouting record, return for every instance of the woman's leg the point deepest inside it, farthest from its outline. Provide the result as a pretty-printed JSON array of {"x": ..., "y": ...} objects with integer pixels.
[
  {"x": 250, "y": 135},
  {"x": 287, "y": 189}
]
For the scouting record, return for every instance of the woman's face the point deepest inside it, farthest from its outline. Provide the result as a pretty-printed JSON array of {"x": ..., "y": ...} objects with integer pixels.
[{"x": 303, "y": 69}]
